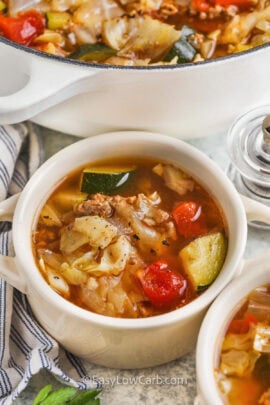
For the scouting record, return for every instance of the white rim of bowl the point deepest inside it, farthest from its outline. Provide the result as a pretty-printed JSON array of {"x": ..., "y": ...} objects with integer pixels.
[{"x": 40, "y": 285}]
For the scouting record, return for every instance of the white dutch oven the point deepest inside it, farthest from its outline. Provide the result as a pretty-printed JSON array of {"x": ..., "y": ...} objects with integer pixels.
[
  {"x": 184, "y": 101},
  {"x": 255, "y": 273},
  {"x": 114, "y": 342}
]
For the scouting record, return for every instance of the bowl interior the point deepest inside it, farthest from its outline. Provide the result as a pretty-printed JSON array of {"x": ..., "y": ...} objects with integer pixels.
[{"x": 126, "y": 144}]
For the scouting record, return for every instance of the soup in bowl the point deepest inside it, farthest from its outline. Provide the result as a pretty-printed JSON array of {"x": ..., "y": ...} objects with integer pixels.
[
  {"x": 243, "y": 373},
  {"x": 233, "y": 364},
  {"x": 144, "y": 326},
  {"x": 130, "y": 238}
]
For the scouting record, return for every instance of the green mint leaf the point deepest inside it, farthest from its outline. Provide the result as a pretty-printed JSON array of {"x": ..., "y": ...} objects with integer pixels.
[
  {"x": 86, "y": 398},
  {"x": 60, "y": 397},
  {"x": 42, "y": 394}
]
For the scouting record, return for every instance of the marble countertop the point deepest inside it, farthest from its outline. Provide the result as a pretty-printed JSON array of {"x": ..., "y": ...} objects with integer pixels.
[{"x": 130, "y": 392}]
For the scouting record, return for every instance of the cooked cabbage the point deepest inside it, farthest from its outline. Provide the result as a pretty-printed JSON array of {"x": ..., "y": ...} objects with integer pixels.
[
  {"x": 117, "y": 31},
  {"x": 152, "y": 40},
  {"x": 238, "y": 363},
  {"x": 241, "y": 26},
  {"x": 98, "y": 231},
  {"x": 174, "y": 178},
  {"x": 91, "y": 15},
  {"x": 72, "y": 240},
  {"x": 243, "y": 341}
]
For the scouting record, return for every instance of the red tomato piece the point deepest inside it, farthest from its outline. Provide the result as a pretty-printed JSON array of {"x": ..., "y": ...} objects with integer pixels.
[
  {"x": 160, "y": 284},
  {"x": 240, "y": 326},
  {"x": 240, "y": 4},
  {"x": 189, "y": 219},
  {"x": 24, "y": 28},
  {"x": 200, "y": 5}
]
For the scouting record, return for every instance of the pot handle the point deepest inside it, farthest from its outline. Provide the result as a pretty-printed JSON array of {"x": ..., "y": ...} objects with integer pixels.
[
  {"x": 255, "y": 210},
  {"x": 8, "y": 267},
  {"x": 36, "y": 83}
]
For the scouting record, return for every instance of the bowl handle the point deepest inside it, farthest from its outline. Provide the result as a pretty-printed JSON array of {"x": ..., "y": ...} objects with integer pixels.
[
  {"x": 31, "y": 84},
  {"x": 8, "y": 267},
  {"x": 255, "y": 210}
]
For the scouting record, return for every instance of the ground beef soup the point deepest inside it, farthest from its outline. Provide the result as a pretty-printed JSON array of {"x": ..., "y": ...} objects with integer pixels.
[
  {"x": 130, "y": 238},
  {"x": 243, "y": 375},
  {"x": 137, "y": 32}
]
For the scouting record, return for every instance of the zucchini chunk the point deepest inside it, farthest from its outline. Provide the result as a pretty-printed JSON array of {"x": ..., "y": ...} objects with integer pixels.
[
  {"x": 182, "y": 49},
  {"x": 104, "y": 180},
  {"x": 203, "y": 259},
  {"x": 57, "y": 20},
  {"x": 93, "y": 53}
]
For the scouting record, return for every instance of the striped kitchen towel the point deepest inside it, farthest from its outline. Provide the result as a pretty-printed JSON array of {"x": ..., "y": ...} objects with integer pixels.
[{"x": 25, "y": 348}]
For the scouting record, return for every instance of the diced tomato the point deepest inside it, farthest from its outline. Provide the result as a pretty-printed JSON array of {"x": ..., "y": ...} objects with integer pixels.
[
  {"x": 24, "y": 28},
  {"x": 189, "y": 219},
  {"x": 200, "y": 5},
  {"x": 204, "y": 5},
  {"x": 160, "y": 284},
  {"x": 240, "y": 4},
  {"x": 239, "y": 326}
]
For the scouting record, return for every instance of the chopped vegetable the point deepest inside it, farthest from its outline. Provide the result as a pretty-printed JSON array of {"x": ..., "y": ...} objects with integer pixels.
[
  {"x": 262, "y": 338},
  {"x": 174, "y": 178},
  {"x": 236, "y": 341},
  {"x": 98, "y": 231},
  {"x": 57, "y": 20},
  {"x": 242, "y": 325},
  {"x": 105, "y": 180},
  {"x": 203, "y": 259},
  {"x": 67, "y": 199},
  {"x": 152, "y": 40},
  {"x": 24, "y": 28},
  {"x": 200, "y": 5},
  {"x": 50, "y": 216},
  {"x": 182, "y": 49},
  {"x": 238, "y": 363},
  {"x": 72, "y": 240},
  {"x": 57, "y": 282},
  {"x": 160, "y": 284},
  {"x": 240, "y": 4},
  {"x": 190, "y": 219},
  {"x": 3, "y": 5},
  {"x": 93, "y": 53}
]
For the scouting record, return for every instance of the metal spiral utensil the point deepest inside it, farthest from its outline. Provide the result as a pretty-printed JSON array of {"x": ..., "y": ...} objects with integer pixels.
[{"x": 249, "y": 150}]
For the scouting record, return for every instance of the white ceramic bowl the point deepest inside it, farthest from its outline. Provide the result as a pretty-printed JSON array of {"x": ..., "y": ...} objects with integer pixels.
[
  {"x": 125, "y": 343},
  {"x": 255, "y": 273}
]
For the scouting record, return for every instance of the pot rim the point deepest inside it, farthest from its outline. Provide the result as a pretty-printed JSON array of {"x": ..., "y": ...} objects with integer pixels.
[
  {"x": 33, "y": 275},
  {"x": 219, "y": 316},
  {"x": 192, "y": 65}
]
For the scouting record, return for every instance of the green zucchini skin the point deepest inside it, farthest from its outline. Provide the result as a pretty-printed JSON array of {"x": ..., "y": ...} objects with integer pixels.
[
  {"x": 97, "y": 182},
  {"x": 182, "y": 49},
  {"x": 93, "y": 52}
]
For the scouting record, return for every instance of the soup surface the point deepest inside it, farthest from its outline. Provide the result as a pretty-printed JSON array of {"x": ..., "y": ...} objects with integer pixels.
[
  {"x": 244, "y": 371},
  {"x": 137, "y": 32},
  {"x": 130, "y": 238}
]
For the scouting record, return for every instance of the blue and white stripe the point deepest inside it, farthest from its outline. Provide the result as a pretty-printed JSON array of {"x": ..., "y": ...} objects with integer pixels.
[{"x": 25, "y": 348}]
